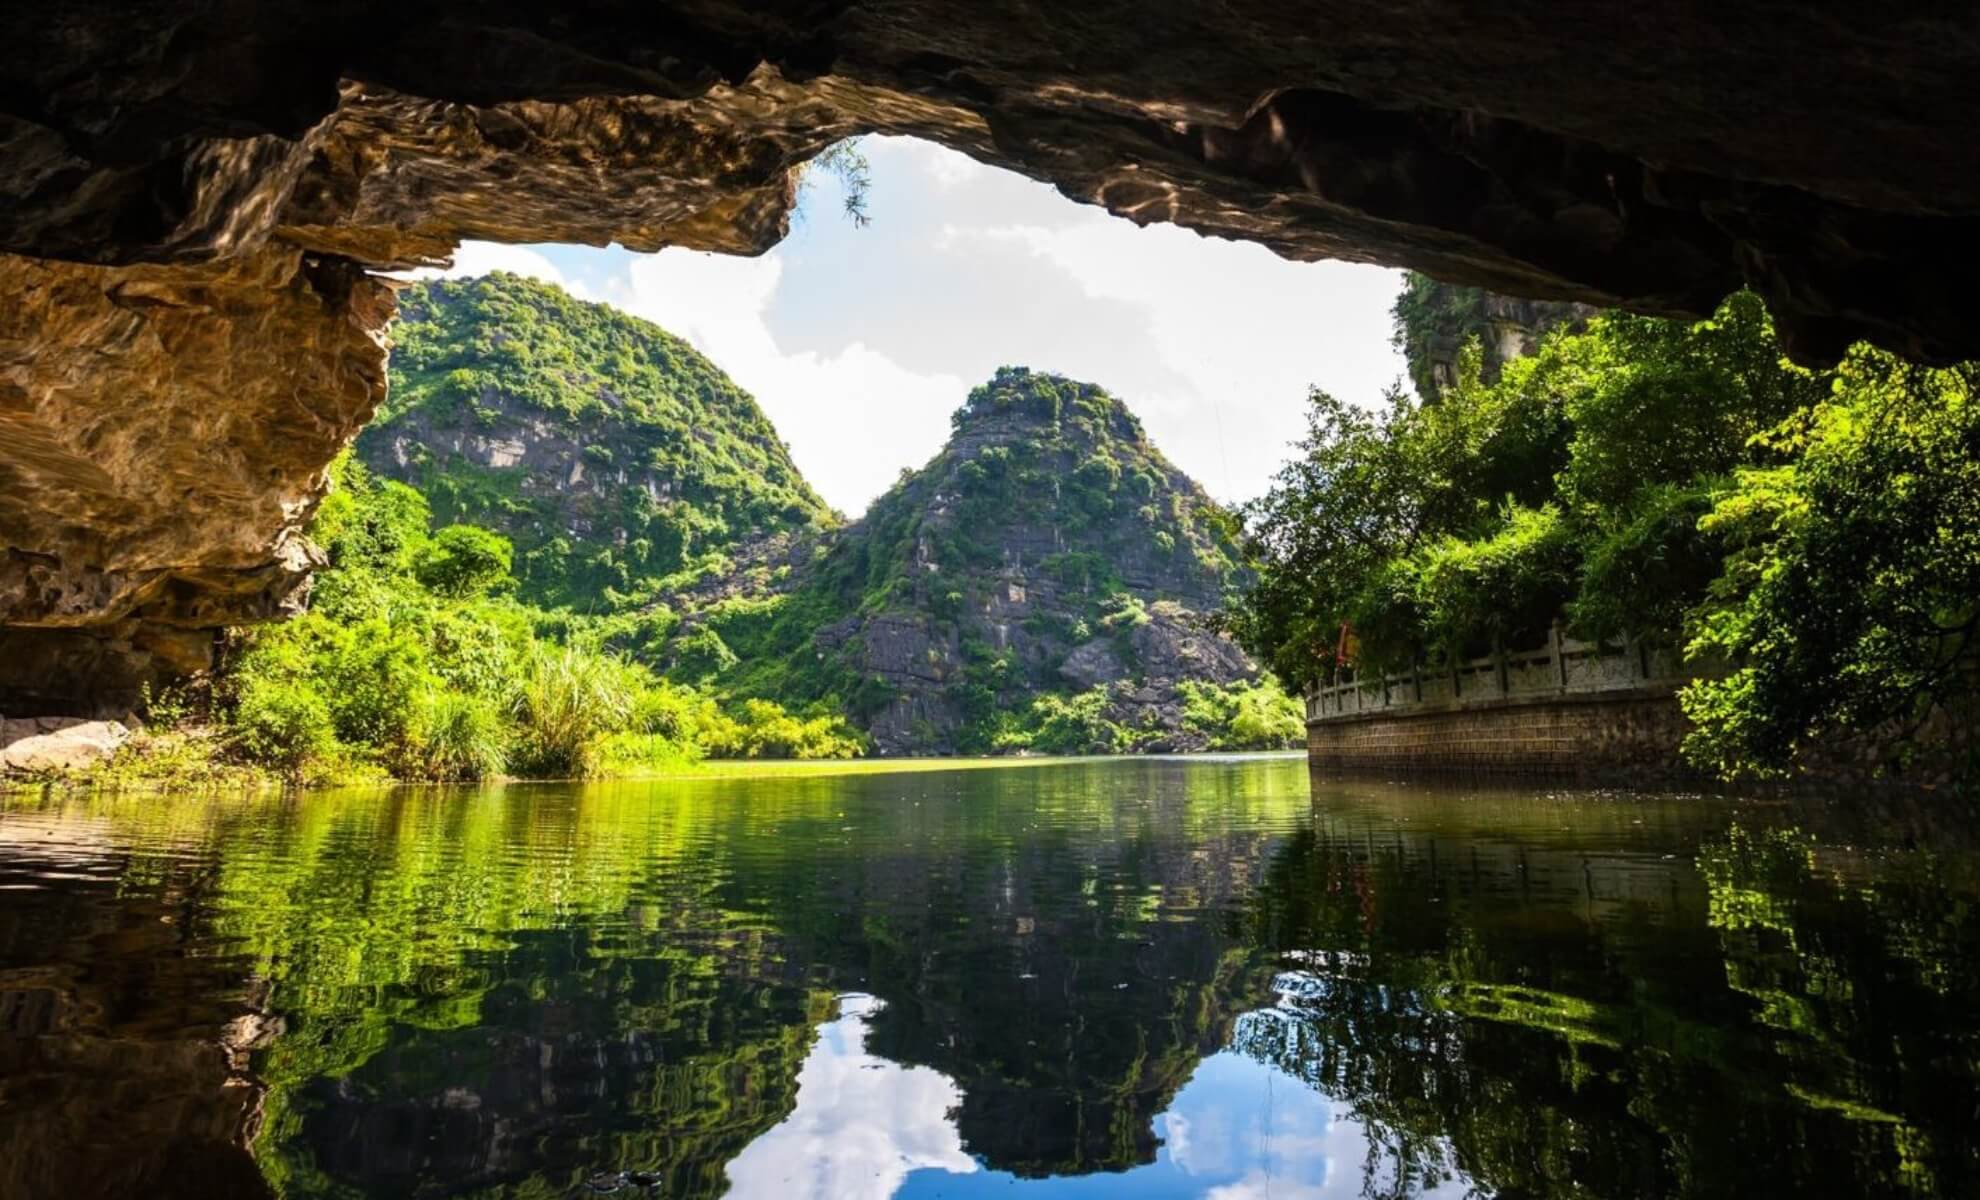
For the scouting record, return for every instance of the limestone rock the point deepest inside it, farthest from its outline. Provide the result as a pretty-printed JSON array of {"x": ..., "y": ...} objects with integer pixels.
[
  {"x": 164, "y": 433},
  {"x": 1597, "y": 157},
  {"x": 1093, "y": 663},
  {"x": 167, "y": 429},
  {"x": 1049, "y": 547},
  {"x": 39, "y": 745},
  {"x": 192, "y": 192}
]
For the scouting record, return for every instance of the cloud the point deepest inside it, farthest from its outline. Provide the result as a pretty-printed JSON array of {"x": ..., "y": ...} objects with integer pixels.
[
  {"x": 861, "y": 1123},
  {"x": 1242, "y": 332},
  {"x": 859, "y": 343},
  {"x": 1214, "y": 343},
  {"x": 852, "y": 418},
  {"x": 480, "y": 258}
]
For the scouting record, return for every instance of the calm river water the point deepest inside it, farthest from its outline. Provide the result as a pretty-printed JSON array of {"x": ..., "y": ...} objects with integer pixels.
[{"x": 1146, "y": 978}]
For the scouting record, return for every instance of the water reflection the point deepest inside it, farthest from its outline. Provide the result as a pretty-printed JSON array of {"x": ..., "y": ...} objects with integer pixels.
[
  {"x": 1139, "y": 978},
  {"x": 860, "y": 1125}
]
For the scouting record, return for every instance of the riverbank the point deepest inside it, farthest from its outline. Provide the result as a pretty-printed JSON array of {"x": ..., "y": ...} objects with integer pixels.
[{"x": 201, "y": 759}]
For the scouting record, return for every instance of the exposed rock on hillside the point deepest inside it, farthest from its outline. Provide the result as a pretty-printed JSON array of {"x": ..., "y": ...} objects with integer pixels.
[
  {"x": 1434, "y": 321},
  {"x": 607, "y": 449},
  {"x": 1049, "y": 548}
]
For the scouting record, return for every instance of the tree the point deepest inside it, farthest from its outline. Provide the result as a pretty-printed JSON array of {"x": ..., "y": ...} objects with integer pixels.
[
  {"x": 466, "y": 560},
  {"x": 1851, "y": 599},
  {"x": 1344, "y": 506}
]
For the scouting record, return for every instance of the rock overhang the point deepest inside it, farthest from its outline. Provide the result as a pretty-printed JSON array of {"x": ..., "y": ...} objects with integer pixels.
[{"x": 192, "y": 194}]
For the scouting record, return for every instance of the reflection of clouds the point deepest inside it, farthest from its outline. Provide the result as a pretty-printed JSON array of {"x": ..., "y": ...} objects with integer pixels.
[
  {"x": 1249, "y": 1130},
  {"x": 860, "y": 1125},
  {"x": 1241, "y": 1129},
  {"x": 1257, "y": 1185}
]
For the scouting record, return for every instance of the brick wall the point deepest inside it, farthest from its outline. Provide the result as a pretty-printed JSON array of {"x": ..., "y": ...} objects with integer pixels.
[{"x": 1634, "y": 733}]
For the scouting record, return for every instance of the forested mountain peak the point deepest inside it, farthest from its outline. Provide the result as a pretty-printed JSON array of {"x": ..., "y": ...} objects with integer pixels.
[
  {"x": 1021, "y": 398},
  {"x": 611, "y": 451},
  {"x": 1041, "y": 583}
]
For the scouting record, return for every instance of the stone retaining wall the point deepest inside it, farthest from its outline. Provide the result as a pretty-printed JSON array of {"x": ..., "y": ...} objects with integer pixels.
[{"x": 1633, "y": 733}]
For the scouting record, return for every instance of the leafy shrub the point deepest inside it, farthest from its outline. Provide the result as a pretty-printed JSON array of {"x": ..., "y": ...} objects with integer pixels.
[
  {"x": 763, "y": 729},
  {"x": 372, "y": 675},
  {"x": 1851, "y": 594},
  {"x": 1243, "y": 716},
  {"x": 701, "y": 654},
  {"x": 1123, "y": 611},
  {"x": 1504, "y": 589},
  {"x": 465, "y": 560},
  {"x": 1644, "y": 571},
  {"x": 1076, "y": 724},
  {"x": 283, "y": 725}
]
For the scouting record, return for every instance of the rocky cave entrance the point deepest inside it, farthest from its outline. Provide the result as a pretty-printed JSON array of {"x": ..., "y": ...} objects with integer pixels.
[{"x": 198, "y": 197}]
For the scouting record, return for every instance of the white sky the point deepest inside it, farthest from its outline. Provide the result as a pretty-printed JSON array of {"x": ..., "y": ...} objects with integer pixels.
[{"x": 859, "y": 343}]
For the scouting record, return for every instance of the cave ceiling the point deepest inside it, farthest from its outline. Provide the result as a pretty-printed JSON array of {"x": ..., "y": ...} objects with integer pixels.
[{"x": 194, "y": 196}]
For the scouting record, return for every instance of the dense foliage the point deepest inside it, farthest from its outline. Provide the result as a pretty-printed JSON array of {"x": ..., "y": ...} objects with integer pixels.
[
  {"x": 416, "y": 659},
  {"x": 1814, "y": 532},
  {"x": 962, "y": 592},
  {"x": 1850, "y": 594},
  {"x": 609, "y": 451}
]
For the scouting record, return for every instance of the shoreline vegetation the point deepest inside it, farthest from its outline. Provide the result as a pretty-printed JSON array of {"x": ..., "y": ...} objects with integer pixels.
[
  {"x": 419, "y": 662},
  {"x": 1816, "y": 532},
  {"x": 196, "y": 759}
]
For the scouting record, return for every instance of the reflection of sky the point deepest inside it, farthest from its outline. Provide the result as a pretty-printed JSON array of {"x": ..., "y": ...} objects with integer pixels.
[
  {"x": 860, "y": 1124},
  {"x": 867, "y": 1128}
]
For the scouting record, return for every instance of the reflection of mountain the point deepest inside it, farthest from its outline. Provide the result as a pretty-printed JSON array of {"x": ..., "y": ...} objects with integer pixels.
[
  {"x": 1068, "y": 1016},
  {"x": 1068, "y": 981},
  {"x": 668, "y": 1065},
  {"x": 504, "y": 992}
]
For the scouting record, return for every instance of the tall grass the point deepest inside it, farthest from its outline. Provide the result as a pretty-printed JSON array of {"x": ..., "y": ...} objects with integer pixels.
[
  {"x": 568, "y": 699},
  {"x": 453, "y": 735}
]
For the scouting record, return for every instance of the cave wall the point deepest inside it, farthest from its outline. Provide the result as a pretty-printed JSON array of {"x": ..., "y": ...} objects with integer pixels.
[{"x": 193, "y": 193}]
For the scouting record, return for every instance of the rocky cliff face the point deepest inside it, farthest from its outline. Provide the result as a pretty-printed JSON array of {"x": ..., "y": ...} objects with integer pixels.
[
  {"x": 1048, "y": 548},
  {"x": 162, "y": 431},
  {"x": 204, "y": 185},
  {"x": 607, "y": 449},
  {"x": 1433, "y": 322}
]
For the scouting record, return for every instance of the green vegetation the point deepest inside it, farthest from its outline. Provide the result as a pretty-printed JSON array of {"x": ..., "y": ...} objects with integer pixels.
[
  {"x": 650, "y": 511},
  {"x": 417, "y": 660},
  {"x": 846, "y": 162},
  {"x": 1818, "y": 531},
  {"x": 967, "y": 587},
  {"x": 1434, "y": 321},
  {"x": 608, "y": 451},
  {"x": 1243, "y": 716},
  {"x": 1790, "y": 993},
  {"x": 1851, "y": 590}
]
